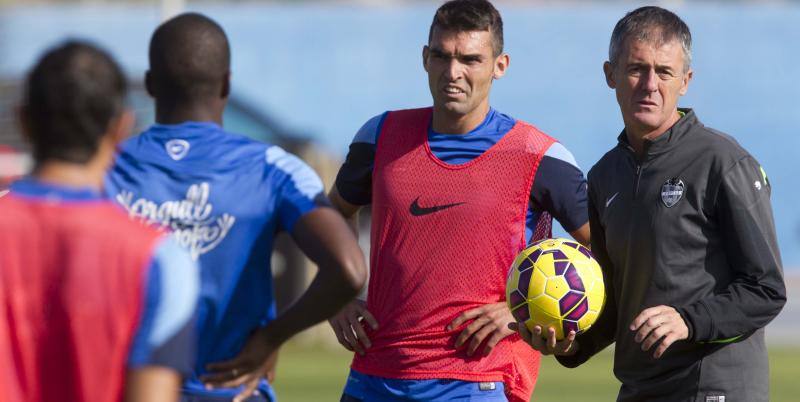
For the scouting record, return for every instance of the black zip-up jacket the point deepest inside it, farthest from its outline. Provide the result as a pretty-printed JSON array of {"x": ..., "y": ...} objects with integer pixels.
[{"x": 689, "y": 226}]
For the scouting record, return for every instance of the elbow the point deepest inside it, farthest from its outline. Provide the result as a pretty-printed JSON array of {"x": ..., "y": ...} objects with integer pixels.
[
  {"x": 354, "y": 272},
  {"x": 778, "y": 301},
  {"x": 776, "y": 297}
]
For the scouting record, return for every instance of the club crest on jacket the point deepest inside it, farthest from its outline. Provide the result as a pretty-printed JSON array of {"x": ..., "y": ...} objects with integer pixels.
[{"x": 672, "y": 192}]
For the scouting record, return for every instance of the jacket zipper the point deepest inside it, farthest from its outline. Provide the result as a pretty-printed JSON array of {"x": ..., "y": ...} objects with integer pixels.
[
  {"x": 636, "y": 184},
  {"x": 638, "y": 170}
]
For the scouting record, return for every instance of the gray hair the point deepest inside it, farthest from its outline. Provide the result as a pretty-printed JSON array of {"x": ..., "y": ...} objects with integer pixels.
[{"x": 653, "y": 25}]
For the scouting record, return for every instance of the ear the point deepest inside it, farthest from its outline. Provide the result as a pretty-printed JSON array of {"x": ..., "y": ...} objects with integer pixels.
[
  {"x": 425, "y": 53},
  {"x": 687, "y": 77},
  {"x": 501, "y": 65},
  {"x": 608, "y": 70},
  {"x": 149, "y": 85},
  {"x": 226, "y": 85},
  {"x": 121, "y": 126}
]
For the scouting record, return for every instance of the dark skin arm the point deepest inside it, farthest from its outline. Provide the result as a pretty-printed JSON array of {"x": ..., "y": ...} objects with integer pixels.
[
  {"x": 327, "y": 240},
  {"x": 348, "y": 325},
  {"x": 349, "y": 211},
  {"x": 152, "y": 384}
]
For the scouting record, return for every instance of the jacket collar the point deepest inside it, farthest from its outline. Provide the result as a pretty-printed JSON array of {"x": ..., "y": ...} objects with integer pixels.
[{"x": 667, "y": 141}]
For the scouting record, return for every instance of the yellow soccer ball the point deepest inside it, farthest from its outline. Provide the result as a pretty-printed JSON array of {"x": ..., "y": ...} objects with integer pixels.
[{"x": 556, "y": 283}]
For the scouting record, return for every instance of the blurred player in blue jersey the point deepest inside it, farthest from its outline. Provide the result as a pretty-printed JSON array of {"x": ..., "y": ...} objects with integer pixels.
[
  {"x": 93, "y": 307},
  {"x": 226, "y": 196}
]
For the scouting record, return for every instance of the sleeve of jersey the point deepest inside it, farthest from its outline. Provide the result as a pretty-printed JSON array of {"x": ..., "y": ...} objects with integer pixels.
[
  {"x": 560, "y": 188},
  {"x": 301, "y": 189},
  {"x": 757, "y": 291},
  {"x": 166, "y": 332},
  {"x": 604, "y": 330},
  {"x": 354, "y": 181}
]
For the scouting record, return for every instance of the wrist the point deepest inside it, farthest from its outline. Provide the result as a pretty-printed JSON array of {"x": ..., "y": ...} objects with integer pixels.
[
  {"x": 274, "y": 333},
  {"x": 573, "y": 349}
]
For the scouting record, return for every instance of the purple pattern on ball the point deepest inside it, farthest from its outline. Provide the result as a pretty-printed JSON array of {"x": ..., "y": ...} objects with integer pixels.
[
  {"x": 515, "y": 299},
  {"x": 525, "y": 281},
  {"x": 579, "y": 311},
  {"x": 525, "y": 264},
  {"x": 560, "y": 267},
  {"x": 535, "y": 255},
  {"x": 573, "y": 279},
  {"x": 570, "y": 326},
  {"x": 557, "y": 255},
  {"x": 521, "y": 313},
  {"x": 571, "y": 244},
  {"x": 585, "y": 251},
  {"x": 569, "y": 301}
]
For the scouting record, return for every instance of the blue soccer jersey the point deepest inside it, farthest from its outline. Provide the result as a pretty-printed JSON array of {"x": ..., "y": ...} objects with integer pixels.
[{"x": 225, "y": 197}]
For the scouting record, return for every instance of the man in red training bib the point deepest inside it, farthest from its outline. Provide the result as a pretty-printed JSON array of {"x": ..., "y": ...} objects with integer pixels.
[
  {"x": 456, "y": 190},
  {"x": 85, "y": 315}
]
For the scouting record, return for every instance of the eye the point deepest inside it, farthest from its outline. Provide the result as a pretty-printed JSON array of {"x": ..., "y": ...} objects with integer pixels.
[
  {"x": 665, "y": 74},
  {"x": 471, "y": 60},
  {"x": 635, "y": 70}
]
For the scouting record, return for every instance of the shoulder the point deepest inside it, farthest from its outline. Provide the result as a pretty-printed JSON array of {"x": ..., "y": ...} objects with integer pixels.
[
  {"x": 531, "y": 132},
  {"x": 404, "y": 116},
  {"x": 720, "y": 146},
  {"x": 557, "y": 151},
  {"x": 368, "y": 133},
  {"x": 300, "y": 175},
  {"x": 175, "y": 263},
  {"x": 607, "y": 166}
]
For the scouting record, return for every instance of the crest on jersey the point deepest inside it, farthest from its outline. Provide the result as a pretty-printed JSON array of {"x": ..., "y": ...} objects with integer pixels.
[
  {"x": 177, "y": 148},
  {"x": 672, "y": 192}
]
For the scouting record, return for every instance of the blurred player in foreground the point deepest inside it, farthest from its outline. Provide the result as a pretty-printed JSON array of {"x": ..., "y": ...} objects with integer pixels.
[
  {"x": 93, "y": 306},
  {"x": 456, "y": 190},
  {"x": 226, "y": 196},
  {"x": 682, "y": 227}
]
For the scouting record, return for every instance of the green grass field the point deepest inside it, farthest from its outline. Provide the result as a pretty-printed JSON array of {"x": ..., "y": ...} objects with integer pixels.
[{"x": 317, "y": 374}]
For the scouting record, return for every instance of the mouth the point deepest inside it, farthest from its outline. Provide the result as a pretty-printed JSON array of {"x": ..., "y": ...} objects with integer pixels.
[
  {"x": 646, "y": 104},
  {"x": 452, "y": 91}
]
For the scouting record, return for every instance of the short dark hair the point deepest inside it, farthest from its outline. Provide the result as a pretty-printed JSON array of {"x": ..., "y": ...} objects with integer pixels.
[
  {"x": 69, "y": 100},
  {"x": 470, "y": 15},
  {"x": 189, "y": 57},
  {"x": 651, "y": 23}
]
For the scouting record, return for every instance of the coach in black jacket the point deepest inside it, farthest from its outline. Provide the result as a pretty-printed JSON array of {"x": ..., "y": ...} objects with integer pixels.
[{"x": 682, "y": 226}]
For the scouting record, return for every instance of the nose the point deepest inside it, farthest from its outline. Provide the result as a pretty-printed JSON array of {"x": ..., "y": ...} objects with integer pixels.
[
  {"x": 453, "y": 71},
  {"x": 650, "y": 81}
]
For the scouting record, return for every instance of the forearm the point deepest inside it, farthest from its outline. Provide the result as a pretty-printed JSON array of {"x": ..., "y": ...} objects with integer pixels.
[
  {"x": 756, "y": 292},
  {"x": 745, "y": 306},
  {"x": 325, "y": 296},
  {"x": 325, "y": 238},
  {"x": 347, "y": 210}
]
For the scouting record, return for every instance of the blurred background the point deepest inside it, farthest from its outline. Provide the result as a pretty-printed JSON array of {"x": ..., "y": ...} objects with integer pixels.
[{"x": 307, "y": 74}]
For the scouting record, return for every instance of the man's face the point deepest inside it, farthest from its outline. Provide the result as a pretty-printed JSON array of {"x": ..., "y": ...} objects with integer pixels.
[
  {"x": 461, "y": 67},
  {"x": 648, "y": 79}
]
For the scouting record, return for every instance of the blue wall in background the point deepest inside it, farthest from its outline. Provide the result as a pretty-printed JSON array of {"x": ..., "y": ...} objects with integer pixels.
[{"x": 326, "y": 69}]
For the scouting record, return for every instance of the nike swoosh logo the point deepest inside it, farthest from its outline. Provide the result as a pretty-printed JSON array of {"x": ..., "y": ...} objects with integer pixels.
[
  {"x": 417, "y": 210},
  {"x": 177, "y": 148},
  {"x": 611, "y": 199},
  {"x": 4, "y": 192}
]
